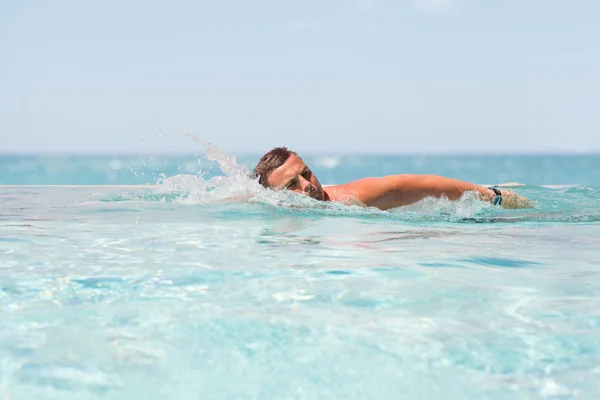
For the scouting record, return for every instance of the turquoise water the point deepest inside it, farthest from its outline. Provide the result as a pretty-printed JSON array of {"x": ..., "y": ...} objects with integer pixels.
[
  {"x": 331, "y": 168},
  {"x": 166, "y": 291}
]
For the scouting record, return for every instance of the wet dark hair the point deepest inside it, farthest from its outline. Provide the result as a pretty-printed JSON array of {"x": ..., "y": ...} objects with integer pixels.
[{"x": 272, "y": 160}]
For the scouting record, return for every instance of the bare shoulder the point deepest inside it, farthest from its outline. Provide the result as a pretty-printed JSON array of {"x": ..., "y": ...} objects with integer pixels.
[
  {"x": 368, "y": 191},
  {"x": 348, "y": 190}
]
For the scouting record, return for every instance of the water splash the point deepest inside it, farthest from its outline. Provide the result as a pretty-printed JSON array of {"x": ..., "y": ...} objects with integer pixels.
[
  {"x": 468, "y": 206},
  {"x": 227, "y": 163},
  {"x": 236, "y": 184}
]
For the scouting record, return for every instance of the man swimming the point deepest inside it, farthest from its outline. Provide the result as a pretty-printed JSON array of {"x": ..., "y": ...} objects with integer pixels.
[{"x": 283, "y": 169}]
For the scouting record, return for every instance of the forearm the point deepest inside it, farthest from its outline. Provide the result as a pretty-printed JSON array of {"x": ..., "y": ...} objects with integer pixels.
[
  {"x": 453, "y": 189},
  {"x": 401, "y": 190}
]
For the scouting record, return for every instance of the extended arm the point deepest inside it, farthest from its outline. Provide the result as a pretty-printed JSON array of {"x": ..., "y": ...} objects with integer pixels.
[{"x": 399, "y": 190}]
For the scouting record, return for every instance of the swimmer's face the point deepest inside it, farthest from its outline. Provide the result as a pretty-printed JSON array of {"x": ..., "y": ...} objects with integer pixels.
[{"x": 295, "y": 176}]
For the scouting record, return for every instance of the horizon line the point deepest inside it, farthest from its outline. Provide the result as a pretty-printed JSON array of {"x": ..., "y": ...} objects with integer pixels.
[{"x": 313, "y": 153}]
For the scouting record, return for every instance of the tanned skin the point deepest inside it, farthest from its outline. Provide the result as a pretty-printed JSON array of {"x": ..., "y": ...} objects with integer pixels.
[{"x": 385, "y": 192}]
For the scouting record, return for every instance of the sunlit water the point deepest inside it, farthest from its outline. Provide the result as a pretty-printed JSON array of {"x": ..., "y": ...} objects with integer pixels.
[{"x": 170, "y": 292}]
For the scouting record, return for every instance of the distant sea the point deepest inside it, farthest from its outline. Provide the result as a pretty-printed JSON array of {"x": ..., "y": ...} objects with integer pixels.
[{"x": 331, "y": 168}]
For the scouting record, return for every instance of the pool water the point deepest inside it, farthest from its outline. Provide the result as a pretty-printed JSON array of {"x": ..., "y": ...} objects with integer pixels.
[{"x": 167, "y": 291}]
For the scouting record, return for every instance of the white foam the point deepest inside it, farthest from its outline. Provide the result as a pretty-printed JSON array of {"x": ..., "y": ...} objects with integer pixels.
[
  {"x": 558, "y": 186},
  {"x": 237, "y": 184}
]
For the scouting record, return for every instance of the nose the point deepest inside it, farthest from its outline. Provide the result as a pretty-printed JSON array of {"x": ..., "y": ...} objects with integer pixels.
[{"x": 307, "y": 187}]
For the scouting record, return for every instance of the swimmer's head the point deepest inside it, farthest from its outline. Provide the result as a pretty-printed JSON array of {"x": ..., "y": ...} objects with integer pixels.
[{"x": 282, "y": 168}]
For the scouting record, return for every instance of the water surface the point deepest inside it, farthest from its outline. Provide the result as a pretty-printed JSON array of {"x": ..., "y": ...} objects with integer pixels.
[{"x": 169, "y": 292}]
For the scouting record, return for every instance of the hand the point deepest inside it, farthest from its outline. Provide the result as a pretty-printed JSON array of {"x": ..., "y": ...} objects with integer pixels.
[{"x": 512, "y": 200}]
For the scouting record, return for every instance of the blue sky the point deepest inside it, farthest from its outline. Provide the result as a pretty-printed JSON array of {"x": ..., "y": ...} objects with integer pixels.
[{"x": 318, "y": 76}]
